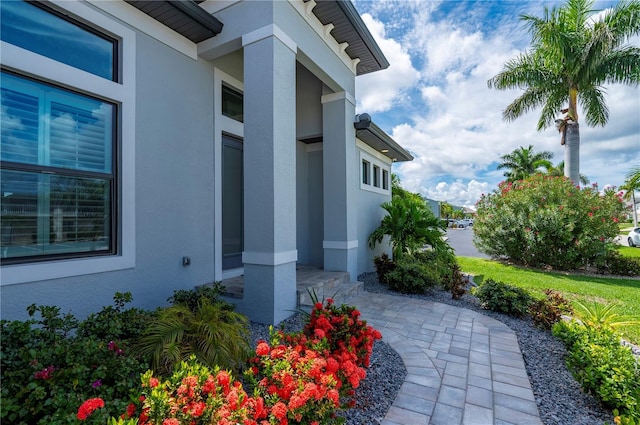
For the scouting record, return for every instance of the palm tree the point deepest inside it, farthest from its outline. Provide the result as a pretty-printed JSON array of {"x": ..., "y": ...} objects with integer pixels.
[
  {"x": 522, "y": 162},
  {"x": 410, "y": 225},
  {"x": 558, "y": 171},
  {"x": 571, "y": 57},
  {"x": 631, "y": 184}
]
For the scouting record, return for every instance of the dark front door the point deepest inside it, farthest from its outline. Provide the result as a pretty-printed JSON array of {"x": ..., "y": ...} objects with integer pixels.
[{"x": 232, "y": 204}]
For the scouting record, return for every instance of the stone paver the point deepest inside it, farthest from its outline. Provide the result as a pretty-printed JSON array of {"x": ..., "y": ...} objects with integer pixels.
[{"x": 462, "y": 367}]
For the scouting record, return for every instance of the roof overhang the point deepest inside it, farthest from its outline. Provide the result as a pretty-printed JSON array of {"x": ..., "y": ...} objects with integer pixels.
[
  {"x": 348, "y": 27},
  {"x": 185, "y": 17},
  {"x": 374, "y": 136}
]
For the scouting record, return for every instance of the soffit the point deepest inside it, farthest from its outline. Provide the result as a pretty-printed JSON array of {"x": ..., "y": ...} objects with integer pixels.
[
  {"x": 374, "y": 136},
  {"x": 349, "y": 28},
  {"x": 183, "y": 16}
]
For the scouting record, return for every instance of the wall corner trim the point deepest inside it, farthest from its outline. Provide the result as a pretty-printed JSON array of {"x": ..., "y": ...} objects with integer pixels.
[{"x": 267, "y": 31}]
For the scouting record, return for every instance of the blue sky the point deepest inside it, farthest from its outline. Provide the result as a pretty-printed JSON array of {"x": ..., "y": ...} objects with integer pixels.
[{"x": 434, "y": 99}]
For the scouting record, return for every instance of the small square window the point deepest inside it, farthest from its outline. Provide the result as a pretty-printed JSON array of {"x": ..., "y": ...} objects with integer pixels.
[{"x": 365, "y": 172}]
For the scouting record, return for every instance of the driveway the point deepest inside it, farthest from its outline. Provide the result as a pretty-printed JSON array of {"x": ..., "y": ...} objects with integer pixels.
[{"x": 461, "y": 240}]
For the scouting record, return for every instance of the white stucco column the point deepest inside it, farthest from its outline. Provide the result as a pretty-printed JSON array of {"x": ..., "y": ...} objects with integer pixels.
[
  {"x": 270, "y": 254},
  {"x": 340, "y": 180}
]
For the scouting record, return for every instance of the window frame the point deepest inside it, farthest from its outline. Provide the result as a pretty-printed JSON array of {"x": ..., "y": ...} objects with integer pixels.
[
  {"x": 366, "y": 172},
  {"x": 38, "y": 169},
  {"x": 374, "y": 160},
  {"x": 122, "y": 93}
]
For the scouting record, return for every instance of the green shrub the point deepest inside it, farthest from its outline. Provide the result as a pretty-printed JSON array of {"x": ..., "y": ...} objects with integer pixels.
[
  {"x": 51, "y": 365},
  {"x": 384, "y": 265},
  {"x": 191, "y": 297},
  {"x": 549, "y": 310},
  {"x": 412, "y": 276},
  {"x": 602, "y": 365},
  {"x": 499, "y": 296},
  {"x": 546, "y": 221},
  {"x": 615, "y": 263},
  {"x": 212, "y": 332},
  {"x": 114, "y": 323}
]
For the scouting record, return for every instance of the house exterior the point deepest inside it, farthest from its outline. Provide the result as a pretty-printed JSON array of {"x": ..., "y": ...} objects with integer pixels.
[{"x": 156, "y": 146}]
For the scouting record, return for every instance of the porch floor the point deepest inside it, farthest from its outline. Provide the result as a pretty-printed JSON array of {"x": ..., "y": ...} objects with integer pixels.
[{"x": 309, "y": 279}]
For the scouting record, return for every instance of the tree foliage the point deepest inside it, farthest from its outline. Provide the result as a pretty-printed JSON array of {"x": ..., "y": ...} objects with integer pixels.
[
  {"x": 573, "y": 55},
  {"x": 523, "y": 162},
  {"x": 546, "y": 221},
  {"x": 410, "y": 225}
]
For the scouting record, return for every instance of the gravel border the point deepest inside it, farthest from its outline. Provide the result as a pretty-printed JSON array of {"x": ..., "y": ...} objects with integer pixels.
[{"x": 559, "y": 397}]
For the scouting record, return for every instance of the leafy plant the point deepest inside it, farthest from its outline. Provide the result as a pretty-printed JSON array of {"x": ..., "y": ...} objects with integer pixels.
[
  {"x": 51, "y": 363},
  {"x": 499, "y": 296},
  {"x": 602, "y": 365},
  {"x": 410, "y": 225},
  {"x": 605, "y": 316},
  {"x": 456, "y": 282},
  {"x": 383, "y": 265},
  {"x": 615, "y": 263},
  {"x": 549, "y": 310},
  {"x": 547, "y": 222},
  {"x": 191, "y": 297},
  {"x": 213, "y": 333},
  {"x": 412, "y": 277}
]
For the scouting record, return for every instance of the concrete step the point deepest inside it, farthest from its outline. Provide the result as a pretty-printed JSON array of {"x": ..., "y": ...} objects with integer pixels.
[{"x": 339, "y": 292}]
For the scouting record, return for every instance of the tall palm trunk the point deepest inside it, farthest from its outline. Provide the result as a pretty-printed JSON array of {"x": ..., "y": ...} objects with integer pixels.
[{"x": 572, "y": 152}]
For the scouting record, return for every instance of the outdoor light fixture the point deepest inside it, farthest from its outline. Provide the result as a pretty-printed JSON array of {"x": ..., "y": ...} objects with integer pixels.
[{"x": 384, "y": 150}]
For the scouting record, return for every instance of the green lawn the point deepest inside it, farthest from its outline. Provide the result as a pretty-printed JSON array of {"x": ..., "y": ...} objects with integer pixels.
[
  {"x": 574, "y": 287},
  {"x": 627, "y": 251}
]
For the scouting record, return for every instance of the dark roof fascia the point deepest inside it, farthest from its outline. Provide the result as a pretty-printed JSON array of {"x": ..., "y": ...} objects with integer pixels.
[
  {"x": 364, "y": 126},
  {"x": 198, "y": 14},
  {"x": 203, "y": 25},
  {"x": 358, "y": 24}
]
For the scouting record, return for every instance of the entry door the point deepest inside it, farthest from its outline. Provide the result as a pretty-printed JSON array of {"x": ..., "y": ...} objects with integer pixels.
[{"x": 232, "y": 203}]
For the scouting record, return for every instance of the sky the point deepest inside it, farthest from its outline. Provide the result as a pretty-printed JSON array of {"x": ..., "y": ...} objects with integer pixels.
[{"x": 433, "y": 99}]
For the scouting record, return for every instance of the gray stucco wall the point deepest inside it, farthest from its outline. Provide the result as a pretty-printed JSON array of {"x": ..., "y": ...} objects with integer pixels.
[
  {"x": 173, "y": 193},
  {"x": 369, "y": 216}
]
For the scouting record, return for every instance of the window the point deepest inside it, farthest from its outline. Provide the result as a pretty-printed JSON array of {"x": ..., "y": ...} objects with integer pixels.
[
  {"x": 232, "y": 106},
  {"x": 45, "y": 32},
  {"x": 57, "y": 175},
  {"x": 365, "y": 172},
  {"x": 375, "y": 171}
]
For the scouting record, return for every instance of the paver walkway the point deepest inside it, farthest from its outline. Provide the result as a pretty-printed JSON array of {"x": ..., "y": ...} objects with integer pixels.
[{"x": 462, "y": 367}]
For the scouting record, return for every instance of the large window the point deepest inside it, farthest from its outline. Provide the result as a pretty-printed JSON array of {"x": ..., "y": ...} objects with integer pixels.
[
  {"x": 45, "y": 32},
  {"x": 57, "y": 176},
  {"x": 58, "y": 144}
]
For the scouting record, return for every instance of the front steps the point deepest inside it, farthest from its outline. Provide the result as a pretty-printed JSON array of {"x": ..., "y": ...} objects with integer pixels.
[{"x": 309, "y": 280}]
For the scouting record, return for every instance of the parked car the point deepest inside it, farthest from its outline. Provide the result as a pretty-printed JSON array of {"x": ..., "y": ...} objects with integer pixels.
[
  {"x": 634, "y": 237},
  {"x": 461, "y": 224}
]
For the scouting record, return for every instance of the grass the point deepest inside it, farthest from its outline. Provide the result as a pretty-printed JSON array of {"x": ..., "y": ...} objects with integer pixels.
[
  {"x": 627, "y": 251},
  {"x": 575, "y": 287}
]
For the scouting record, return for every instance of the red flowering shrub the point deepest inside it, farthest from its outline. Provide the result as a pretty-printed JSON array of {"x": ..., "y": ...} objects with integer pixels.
[
  {"x": 344, "y": 331},
  {"x": 296, "y": 382},
  {"x": 546, "y": 221},
  {"x": 297, "y": 378},
  {"x": 88, "y": 407}
]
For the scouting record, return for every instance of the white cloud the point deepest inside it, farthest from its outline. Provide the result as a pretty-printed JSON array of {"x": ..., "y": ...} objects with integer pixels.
[
  {"x": 378, "y": 91},
  {"x": 452, "y": 122}
]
